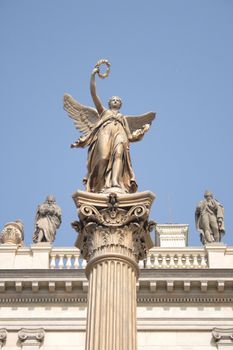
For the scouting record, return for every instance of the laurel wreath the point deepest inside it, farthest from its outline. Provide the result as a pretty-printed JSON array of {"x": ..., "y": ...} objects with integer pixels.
[{"x": 98, "y": 64}]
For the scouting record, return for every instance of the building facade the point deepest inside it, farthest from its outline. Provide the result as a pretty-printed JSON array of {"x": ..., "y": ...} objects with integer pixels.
[{"x": 184, "y": 297}]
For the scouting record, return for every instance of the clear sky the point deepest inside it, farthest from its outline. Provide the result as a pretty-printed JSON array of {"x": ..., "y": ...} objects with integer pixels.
[{"x": 174, "y": 57}]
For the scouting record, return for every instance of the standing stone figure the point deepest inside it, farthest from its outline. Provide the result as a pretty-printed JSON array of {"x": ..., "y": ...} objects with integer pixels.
[
  {"x": 47, "y": 221},
  {"x": 209, "y": 217},
  {"x": 107, "y": 133}
]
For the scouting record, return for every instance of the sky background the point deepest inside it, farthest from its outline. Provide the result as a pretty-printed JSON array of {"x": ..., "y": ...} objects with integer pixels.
[{"x": 174, "y": 57}]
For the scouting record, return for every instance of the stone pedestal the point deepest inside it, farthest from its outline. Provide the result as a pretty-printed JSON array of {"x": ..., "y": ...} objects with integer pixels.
[
  {"x": 40, "y": 253},
  {"x": 114, "y": 233},
  {"x": 216, "y": 255},
  {"x": 172, "y": 235}
]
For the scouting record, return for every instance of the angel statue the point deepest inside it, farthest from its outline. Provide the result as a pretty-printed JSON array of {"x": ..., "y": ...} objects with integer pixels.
[{"x": 107, "y": 133}]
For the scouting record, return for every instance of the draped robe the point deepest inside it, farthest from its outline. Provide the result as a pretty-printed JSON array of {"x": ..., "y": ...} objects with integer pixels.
[
  {"x": 48, "y": 220},
  {"x": 109, "y": 132}
]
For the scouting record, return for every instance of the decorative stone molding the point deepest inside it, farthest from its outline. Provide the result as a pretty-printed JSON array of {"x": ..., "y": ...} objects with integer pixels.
[
  {"x": 114, "y": 234},
  {"x": 176, "y": 258},
  {"x": 57, "y": 286},
  {"x": 219, "y": 255},
  {"x": 183, "y": 299},
  {"x": 141, "y": 299},
  {"x": 31, "y": 337},
  {"x": 172, "y": 235},
  {"x": 117, "y": 220},
  {"x": 42, "y": 256},
  {"x": 12, "y": 233},
  {"x": 3, "y": 336},
  {"x": 223, "y": 337},
  {"x": 49, "y": 300}
]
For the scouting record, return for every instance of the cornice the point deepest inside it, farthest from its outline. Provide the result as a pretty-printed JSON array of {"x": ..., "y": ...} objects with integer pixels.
[
  {"x": 183, "y": 299},
  {"x": 141, "y": 300},
  {"x": 154, "y": 286}
]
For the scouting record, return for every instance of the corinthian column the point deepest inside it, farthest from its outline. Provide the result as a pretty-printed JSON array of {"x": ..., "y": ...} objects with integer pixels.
[{"x": 113, "y": 236}]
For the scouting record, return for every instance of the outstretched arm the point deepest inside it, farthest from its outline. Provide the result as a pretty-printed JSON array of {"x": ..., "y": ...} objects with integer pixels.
[
  {"x": 95, "y": 98},
  {"x": 138, "y": 134},
  {"x": 138, "y": 125}
]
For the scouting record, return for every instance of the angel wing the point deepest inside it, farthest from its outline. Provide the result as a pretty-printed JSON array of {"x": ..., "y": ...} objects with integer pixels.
[
  {"x": 84, "y": 117},
  {"x": 137, "y": 122}
]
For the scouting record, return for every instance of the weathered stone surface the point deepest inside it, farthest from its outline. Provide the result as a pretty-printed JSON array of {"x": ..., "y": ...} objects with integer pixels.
[
  {"x": 172, "y": 235},
  {"x": 31, "y": 338},
  {"x": 114, "y": 220},
  {"x": 223, "y": 337},
  {"x": 114, "y": 233},
  {"x": 3, "y": 336},
  {"x": 47, "y": 221},
  {"x": 12, "y": 233},
  {"x": 209, "y": 217}
]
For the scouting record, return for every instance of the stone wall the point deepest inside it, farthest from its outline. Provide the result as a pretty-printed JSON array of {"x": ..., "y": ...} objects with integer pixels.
[{"x": 180, "y": 304}]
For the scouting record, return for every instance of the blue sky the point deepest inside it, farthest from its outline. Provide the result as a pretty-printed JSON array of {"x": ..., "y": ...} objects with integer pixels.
[{"x": 174, "y": 57}]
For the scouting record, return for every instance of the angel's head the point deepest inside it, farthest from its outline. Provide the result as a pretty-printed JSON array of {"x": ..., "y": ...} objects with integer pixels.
[{"x": 115, "y": 102}]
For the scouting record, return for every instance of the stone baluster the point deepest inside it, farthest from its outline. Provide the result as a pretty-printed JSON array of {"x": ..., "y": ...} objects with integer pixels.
[
  {"x": 187, "y": 261},
  {"x": 195, "y": 260},
  {"x": 61, "y": 261},
  {"x": 179, "y": 262},
  {"x": 114, "y": 236},
  {"x": 156, "y": 262},
  {"x": 84, "y": 264},
  {"x": 68, "y": 261},
  {"x": 76, "y": 261},
  {"x": 163, "y": 262},
  {"x": 168, "y": 260},
  {"x": 203, "y": 261},
  {"x": 183, "y": 261},
  {"x": 172, "y": 262},
  {"x": 52, "y": 261},
  {"x": 148, "y": 261}
]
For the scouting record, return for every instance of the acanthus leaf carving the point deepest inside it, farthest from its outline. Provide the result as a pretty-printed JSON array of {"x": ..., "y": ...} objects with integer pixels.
[
  {"x": 12, "y": 233},
  {"x": 114, "y": 216},
  {"x": 107, "y": 224}
]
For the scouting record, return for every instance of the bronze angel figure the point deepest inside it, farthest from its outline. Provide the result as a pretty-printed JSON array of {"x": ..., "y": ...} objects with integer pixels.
[{"x": 107, "y": 133}]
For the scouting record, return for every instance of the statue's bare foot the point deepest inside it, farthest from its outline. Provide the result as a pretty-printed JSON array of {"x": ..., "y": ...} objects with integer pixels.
[{"x": 115, "y": 184}]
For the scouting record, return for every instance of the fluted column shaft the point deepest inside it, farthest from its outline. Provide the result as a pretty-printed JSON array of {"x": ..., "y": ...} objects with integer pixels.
[{"x": 111, "y": 319}]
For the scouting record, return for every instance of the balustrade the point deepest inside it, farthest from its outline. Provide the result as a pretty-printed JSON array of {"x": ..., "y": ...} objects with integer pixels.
[
  {"x": 178, "y": 258},
  {"x": 65, "y": 258}
]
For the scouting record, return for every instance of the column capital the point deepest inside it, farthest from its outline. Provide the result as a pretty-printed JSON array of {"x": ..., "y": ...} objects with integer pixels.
[
  {"x": 113, "y": 220},
  {"x": 31, "y": 337},
  {"x": 12, "y": 233},
  {"x": 114, "y": 234}
]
